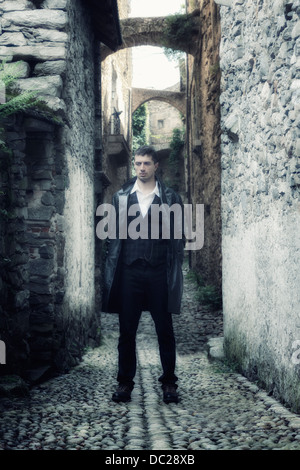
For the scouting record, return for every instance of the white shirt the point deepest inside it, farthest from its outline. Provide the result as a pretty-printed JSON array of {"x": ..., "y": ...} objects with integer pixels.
[{"x": 144, "y": 200}]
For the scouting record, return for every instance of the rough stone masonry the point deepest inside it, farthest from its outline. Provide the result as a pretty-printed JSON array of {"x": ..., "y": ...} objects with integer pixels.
[
  {"x": 47, "y": 312},
  {"x": 260, "y": 102}
]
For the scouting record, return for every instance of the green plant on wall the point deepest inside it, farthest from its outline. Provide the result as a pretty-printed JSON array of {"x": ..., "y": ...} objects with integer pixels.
[
  {"x": 178, "y": 31},
  {"x": 176, "y": 146},
  {"x": 206, "y": 295},
  {"x": 12, "y": 102},
  {"x": 12, "y": 99},
  {"x": 139, "y": 127},
  {"x": 15, "y": 100}
]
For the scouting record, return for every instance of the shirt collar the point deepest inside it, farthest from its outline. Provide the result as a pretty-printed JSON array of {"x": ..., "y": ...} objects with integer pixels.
[{"x": 137, "y": 188}]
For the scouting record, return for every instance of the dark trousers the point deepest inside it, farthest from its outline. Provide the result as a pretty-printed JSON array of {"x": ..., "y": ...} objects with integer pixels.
[{"x": 141, "y": 282}]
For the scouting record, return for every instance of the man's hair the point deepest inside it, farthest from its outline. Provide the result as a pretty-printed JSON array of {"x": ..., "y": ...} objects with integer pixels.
[{"x": 147, "y": 150}]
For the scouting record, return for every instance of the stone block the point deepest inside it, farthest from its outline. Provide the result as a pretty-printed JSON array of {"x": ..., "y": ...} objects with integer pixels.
[
  {"x": 42, "y": 175},
  {"x": 43, "y": 289},
  {"x": 51, "y": 35},
  {"x": 39, "y": 300},
  {"x": 21, "y": 299},
  {"x": 46, "y": 251},
  {"x": 16, "y": 5},
  {"x": 39, "y": 280},
  {"x": 41, "y": 267},
  {"x": 52, "y": 85},
  {"x": 12, "y": 39},
  {"x": 41, "y": 185},
  {"x": 56, "y": 67},
  {"x": 56, "y": 104},
  {"x": 47, "y": 199},
  {"x": 225, "y": 3},
  {"x": 59, "y": 202},
  {"x": 37, "y": 18},
  {"x": 60, "y": 222},
  {"x": 55, "y": 4},
  {"x": 40, "y": 213},
  {"x": 21, "y": 212},
  {"x": 6, "y": 56},
  {"x": 36, "y": 52},
  {"x": 18, "y": 259},
  {"x": 60, "y": 182}
]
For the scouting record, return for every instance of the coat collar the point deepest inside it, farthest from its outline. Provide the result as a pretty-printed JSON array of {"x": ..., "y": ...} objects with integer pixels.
[{"x": 127, "y": 187}]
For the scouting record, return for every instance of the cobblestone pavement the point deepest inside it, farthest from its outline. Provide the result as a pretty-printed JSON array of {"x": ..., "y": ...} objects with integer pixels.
[{"x": 219, "y": 409}]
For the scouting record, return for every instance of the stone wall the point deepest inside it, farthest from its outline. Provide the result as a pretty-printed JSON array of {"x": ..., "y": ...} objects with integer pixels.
[
  {"x": 260, "y": 100},
  {"x": 14, "y": 252},
  {"x": 203, "y": 138},
  {"x": 48, "y": 313}
]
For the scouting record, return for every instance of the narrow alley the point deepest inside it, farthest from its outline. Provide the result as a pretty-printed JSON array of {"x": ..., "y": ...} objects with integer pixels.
[{"x": 218, "y": 409}]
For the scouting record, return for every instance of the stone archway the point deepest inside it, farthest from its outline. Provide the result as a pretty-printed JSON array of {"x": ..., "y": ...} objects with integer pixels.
[
  {"x": 151, "y": 32},
  {"x": 174, "y": 98}
]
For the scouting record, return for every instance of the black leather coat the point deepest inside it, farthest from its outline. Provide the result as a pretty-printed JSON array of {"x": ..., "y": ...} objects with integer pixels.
[{"x": 111, "y": 297}]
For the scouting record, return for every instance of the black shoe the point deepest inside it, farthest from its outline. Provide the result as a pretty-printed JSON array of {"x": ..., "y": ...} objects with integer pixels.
[
  {"x": 123, "y": 393},
  {"x": 170, "y": 394}
]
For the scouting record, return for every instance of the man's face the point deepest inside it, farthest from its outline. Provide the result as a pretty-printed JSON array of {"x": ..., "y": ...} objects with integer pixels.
[{"x": 145, "y": 168}]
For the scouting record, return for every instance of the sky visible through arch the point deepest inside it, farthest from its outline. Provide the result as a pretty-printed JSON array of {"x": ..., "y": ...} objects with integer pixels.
[{"x": 151, "y": 68}]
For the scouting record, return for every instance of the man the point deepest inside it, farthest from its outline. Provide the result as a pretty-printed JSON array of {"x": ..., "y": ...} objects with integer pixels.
[{"x": 144, "y": 274}]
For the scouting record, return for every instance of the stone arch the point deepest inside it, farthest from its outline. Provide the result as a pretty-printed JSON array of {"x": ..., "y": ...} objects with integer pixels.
[
  {"x": 151, "y": 32},
  {"x": 174, "y": 98}
]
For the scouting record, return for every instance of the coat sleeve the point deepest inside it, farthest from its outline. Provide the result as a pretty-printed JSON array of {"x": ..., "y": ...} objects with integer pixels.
[{"x": 110, "y": 280}]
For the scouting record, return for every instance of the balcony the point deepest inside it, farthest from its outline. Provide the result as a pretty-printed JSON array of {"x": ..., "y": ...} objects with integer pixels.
[{"x": 118, "y": 149}]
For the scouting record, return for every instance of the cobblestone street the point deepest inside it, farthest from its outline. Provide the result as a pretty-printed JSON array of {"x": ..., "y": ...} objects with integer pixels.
[{"x": 218, "y": 410}]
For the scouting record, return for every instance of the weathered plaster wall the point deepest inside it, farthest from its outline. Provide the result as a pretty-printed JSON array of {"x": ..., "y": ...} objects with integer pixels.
[
  {"x": 260, "y": 63},
  {"x": 78, "y": 314}
]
